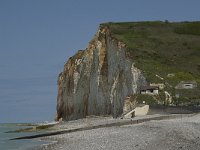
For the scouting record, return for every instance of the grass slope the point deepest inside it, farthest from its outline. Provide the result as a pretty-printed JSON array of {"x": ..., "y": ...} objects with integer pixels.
[{"x": 161, "y": 48}]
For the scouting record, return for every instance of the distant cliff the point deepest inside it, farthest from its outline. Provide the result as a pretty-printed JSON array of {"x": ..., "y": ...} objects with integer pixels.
[
  {"x": 122, "y": 57},
  {"x": 96, "y": 81}
]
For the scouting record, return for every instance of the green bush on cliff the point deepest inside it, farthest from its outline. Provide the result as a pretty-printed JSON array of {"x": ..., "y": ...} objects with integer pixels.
[
  {"x": 151, "y": 99},
  {"x": 147, "y": 99}
]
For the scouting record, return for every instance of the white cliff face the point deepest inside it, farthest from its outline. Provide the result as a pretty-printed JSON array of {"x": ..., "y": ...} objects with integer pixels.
[{"x": 96, "y": 81}]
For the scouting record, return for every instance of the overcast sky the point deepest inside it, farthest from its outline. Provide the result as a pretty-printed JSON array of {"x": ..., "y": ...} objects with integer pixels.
[{"x": 38, "y": 36}]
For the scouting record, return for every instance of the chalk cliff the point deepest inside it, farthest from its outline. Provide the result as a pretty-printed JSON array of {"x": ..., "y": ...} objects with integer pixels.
[{"x": 98, "y": 80}]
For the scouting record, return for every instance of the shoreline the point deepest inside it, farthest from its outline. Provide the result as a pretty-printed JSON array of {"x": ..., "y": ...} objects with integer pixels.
[{"x": 117, "y": 122}]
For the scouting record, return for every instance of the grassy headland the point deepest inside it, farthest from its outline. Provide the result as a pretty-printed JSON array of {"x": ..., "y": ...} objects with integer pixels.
[{"x": 162, "y": 48}]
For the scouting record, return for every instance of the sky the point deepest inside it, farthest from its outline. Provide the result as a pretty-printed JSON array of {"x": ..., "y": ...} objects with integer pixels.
[{"x": 38, "y": 36}]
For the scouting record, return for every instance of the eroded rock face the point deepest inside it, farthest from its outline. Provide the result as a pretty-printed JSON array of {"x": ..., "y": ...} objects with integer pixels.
[{"x": 96, "y": 81}]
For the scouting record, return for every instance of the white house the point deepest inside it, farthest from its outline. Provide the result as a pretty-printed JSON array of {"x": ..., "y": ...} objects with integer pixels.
[{"x": 152, "y": 90}]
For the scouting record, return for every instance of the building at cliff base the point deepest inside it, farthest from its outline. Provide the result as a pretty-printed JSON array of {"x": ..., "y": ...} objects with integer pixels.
[{"x": 152, "y": 90}]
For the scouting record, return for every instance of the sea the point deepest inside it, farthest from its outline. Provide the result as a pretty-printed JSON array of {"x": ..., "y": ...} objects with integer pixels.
[{"x": 6, "y": 135}]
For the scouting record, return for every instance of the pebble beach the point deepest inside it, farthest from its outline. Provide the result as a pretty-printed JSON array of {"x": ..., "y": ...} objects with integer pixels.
[{"x": 168, "y": 134}]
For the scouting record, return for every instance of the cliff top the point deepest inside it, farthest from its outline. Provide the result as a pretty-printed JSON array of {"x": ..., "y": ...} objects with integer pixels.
[{"x": 162, "y": 48}]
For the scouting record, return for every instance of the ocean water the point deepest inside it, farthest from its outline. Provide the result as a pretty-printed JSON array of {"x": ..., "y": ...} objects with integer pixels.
[{"x": 7, "y": 144}]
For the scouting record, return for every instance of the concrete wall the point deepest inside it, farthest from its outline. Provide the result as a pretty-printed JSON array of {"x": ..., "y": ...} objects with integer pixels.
[{"x": 138, "y": 111}]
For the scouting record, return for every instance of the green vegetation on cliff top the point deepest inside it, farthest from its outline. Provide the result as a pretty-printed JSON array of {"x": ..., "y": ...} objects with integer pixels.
[{"x": 162, "y": 48}]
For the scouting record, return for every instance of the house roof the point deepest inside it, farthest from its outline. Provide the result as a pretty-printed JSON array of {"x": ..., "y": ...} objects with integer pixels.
[
  {"x": 188, "y": 82},
  {"x": 148, "y": 88}
]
